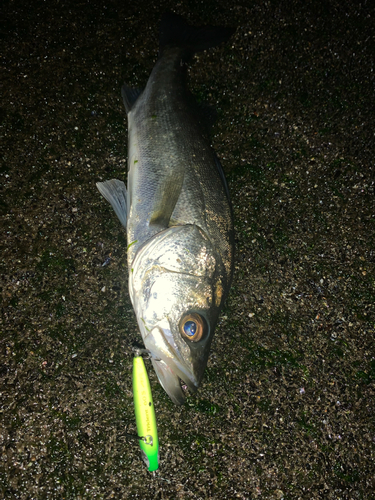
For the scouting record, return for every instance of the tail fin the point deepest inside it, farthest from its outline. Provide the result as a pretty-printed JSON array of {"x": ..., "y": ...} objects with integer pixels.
[{"x": 175, "y": 31}]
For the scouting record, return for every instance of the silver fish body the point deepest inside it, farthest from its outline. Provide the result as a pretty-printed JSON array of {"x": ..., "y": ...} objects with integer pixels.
[{"x": 177, "y": 213}]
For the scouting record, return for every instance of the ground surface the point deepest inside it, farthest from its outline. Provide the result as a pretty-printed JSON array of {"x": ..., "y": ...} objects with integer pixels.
[{"x": 286, "y": 408}]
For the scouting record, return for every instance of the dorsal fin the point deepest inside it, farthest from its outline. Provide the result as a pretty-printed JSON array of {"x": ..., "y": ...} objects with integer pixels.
[{"x": 129, "y": 96}]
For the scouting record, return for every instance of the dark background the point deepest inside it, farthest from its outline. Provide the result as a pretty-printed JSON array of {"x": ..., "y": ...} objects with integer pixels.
[{"x": 286, "y": 407}]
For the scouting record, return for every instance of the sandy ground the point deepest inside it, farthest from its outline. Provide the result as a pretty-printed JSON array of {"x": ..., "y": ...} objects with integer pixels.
[{"x": 286, "y": 408}]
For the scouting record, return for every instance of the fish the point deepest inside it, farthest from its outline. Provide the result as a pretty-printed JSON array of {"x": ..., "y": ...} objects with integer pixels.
[{"x": 177, "y": 212}]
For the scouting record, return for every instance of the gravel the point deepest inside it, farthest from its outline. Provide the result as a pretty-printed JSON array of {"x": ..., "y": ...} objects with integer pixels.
[{"x": 286, "y": 408}]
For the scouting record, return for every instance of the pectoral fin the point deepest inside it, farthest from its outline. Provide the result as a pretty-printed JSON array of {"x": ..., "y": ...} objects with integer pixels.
[
  {"x": 165, "y": 201},
  {"x": 114, "y": 191}
]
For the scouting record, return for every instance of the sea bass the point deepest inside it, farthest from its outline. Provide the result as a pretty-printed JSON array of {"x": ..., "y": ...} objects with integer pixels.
[{"x": 177, "y": 213}]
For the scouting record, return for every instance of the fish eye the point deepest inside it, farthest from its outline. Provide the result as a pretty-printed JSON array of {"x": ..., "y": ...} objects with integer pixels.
[{"x": 192, "y": 327}]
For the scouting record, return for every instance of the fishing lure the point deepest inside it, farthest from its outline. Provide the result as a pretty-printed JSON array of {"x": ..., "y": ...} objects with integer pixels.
[{"x": 145, "y": 414}]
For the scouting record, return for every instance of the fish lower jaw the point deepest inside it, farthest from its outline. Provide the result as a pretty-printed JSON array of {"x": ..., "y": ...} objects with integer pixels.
[
  {"x": 174, "y": 373},
  {"x": 173, "y": 383}
]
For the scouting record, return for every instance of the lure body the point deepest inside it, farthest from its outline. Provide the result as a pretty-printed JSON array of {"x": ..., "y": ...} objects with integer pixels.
[{"x": 145, "y": 415}]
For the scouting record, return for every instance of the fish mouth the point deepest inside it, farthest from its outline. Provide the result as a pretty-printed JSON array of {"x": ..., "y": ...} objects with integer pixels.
[{"x": 172, "y": 372}]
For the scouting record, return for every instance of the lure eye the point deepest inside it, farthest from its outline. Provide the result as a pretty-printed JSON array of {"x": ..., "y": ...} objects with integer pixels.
[{"x": 192, "y": 327}]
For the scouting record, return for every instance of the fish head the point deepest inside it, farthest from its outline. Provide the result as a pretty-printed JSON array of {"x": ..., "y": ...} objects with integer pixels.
[{"x": 177, "y": 287}]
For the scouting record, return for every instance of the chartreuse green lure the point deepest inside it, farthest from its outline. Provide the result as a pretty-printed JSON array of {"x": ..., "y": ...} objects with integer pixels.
[{"x": 145, "y": 415}]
